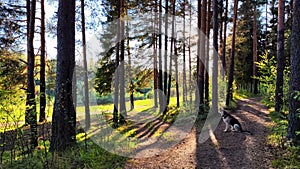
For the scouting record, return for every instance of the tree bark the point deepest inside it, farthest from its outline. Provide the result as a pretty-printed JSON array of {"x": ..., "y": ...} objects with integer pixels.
[
  {"x": 131, "y": 90},
  {"x": 255, "y": 80},
  {"x": 117, "y": 79},
  {"x": 294, "y": 106},
  {"x": 184, "y": 86},
  {"x": 176, "y": 55},
  {"x": 64, "y": 114},
  {"x": 27, "y": 113},
  {"x": 231, "y": 70},
  {"x": 30, "y": 100},
  {"x": 176, "y": 73},
  {"x": 190, "y": 57},
  {"x": 171, "y": 59},
  {"x": 224, "y": 36},
  {"x": 123, "y": 112},
  {"x": 43, "y": 65},
  {"x": 155, "y": 57},
  {"x": 206, "y": 94},
  {"x": 201, "y": 55},
  {"x": 160, "y": 76},
  {"x": 166, "y": 49},
  {"x": 280, "y": 58},
  {"x": 215, "y": 58},
  {"x": 86, "y": 82}
]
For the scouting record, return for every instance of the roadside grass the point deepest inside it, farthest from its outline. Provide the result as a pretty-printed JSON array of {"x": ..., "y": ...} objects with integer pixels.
[{"x": 285, "y": 154}]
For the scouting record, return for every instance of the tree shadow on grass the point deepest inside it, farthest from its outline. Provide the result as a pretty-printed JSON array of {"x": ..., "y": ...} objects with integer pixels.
[{"x": 16, "y": 153}]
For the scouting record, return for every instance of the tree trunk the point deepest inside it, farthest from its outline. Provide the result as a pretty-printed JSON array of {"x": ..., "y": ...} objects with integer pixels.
[
  {"x": 224, "y": 36},
  {"x": 206, "y": 94},
  {"x": 171, "y": 59},
  {"x": 155, "y": 56},
  {"x": 294, "y": 106},
  {"x": 27, "y": 112},
  {"x": 131, "y": 90},
  {"x": 176, "y": 71},
  {"x": 220, "y": 27},
  {"x": 166, "y": 49},
  {"x": 43, "y": 61},
  {"x": 280, "y": 58},
  {"x": 201, "y": 56},
  {"x": 231, "y": 70},
  {"x": 64, "y": 114},
  {"x": 255, "y": 81},
  {"x": 86, "y": 82},
  {"x": 266, "y": 26},
  {"x": 160, "y": 78},
  {"x": 190, "y": 57},
  {"x": 184, "y": 86},
  {"x": 74, "y": 88},
  {"x": 176, "y": 54},
  {"x": 30, "y": 100},
  {"x": 123, "y": 112},
  {"x": 215, "y": 58},
  {"x": 116, "y": 82}
]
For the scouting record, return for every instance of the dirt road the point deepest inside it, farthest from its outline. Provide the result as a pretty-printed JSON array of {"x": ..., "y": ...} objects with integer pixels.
[{"x": 223, "y": 150}]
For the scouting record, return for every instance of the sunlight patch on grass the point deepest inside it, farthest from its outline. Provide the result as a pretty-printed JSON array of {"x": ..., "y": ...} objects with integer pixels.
[
  {"x": 81, "y": 137},
  {"x": 158, "y": 133},
  {"x": 239, "y": 96},
  {"x": 131, "y": 133}
]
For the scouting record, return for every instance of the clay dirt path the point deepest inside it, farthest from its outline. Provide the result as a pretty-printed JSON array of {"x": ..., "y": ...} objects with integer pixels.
[{"x": 223, "y": 150}]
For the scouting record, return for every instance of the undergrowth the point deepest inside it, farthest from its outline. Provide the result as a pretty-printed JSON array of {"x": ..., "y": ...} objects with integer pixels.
[{"x": 85, "y": 154}]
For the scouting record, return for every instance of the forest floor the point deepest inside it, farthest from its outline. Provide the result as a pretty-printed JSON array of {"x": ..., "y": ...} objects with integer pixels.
[{"x": 222, "y": 150}]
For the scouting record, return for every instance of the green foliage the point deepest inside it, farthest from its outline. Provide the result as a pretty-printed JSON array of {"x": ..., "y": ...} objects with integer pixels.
[
  {"x": 104, "y": 78},
  {"x": 243, "y": 93},
  {"x": 278, "y": 131},
  {"x": 296, "y": 95},
  {"x": 286, "y": 155},
  {"x": 244, "y": 42},
  {"x": 141, "y": 80},
  {"x": 289, "y": 158},
  {"x": 85, "y": 154},
  {"x": 51, "y": 77},
  {"x": 12, "y": 74},
  {"x": 104, "y": 74},
  {"x": 10, "y": 27},
  {"x": 12, "y": 108},
  {"x": 267, "y": 77},
  {"x": 12, "y": 97},
  {"x": 105, "y": 99}
]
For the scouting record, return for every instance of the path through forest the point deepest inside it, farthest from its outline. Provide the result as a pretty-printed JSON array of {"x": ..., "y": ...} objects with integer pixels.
[{"x": 222, "y": 150}]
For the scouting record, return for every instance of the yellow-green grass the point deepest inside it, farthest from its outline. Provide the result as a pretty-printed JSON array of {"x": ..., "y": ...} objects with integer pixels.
[
  {"x": 140, "y": 105},
  {"x": 17, "y": 112}
]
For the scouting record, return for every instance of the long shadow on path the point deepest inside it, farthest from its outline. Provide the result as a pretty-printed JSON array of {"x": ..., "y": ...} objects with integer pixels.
[{"x": 238, "y": 150}]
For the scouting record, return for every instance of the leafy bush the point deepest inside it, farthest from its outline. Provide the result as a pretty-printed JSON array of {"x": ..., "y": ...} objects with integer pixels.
[
  {"x": 267, "y": 78},
  {"x": 286, "y": 155}
]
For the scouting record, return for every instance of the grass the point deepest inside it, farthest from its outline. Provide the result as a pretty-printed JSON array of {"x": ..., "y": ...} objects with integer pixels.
[
  {"x": 285, "y": 155},
  {"x": 84, "y": 155},
  {"x": 87, "y": 154}
]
